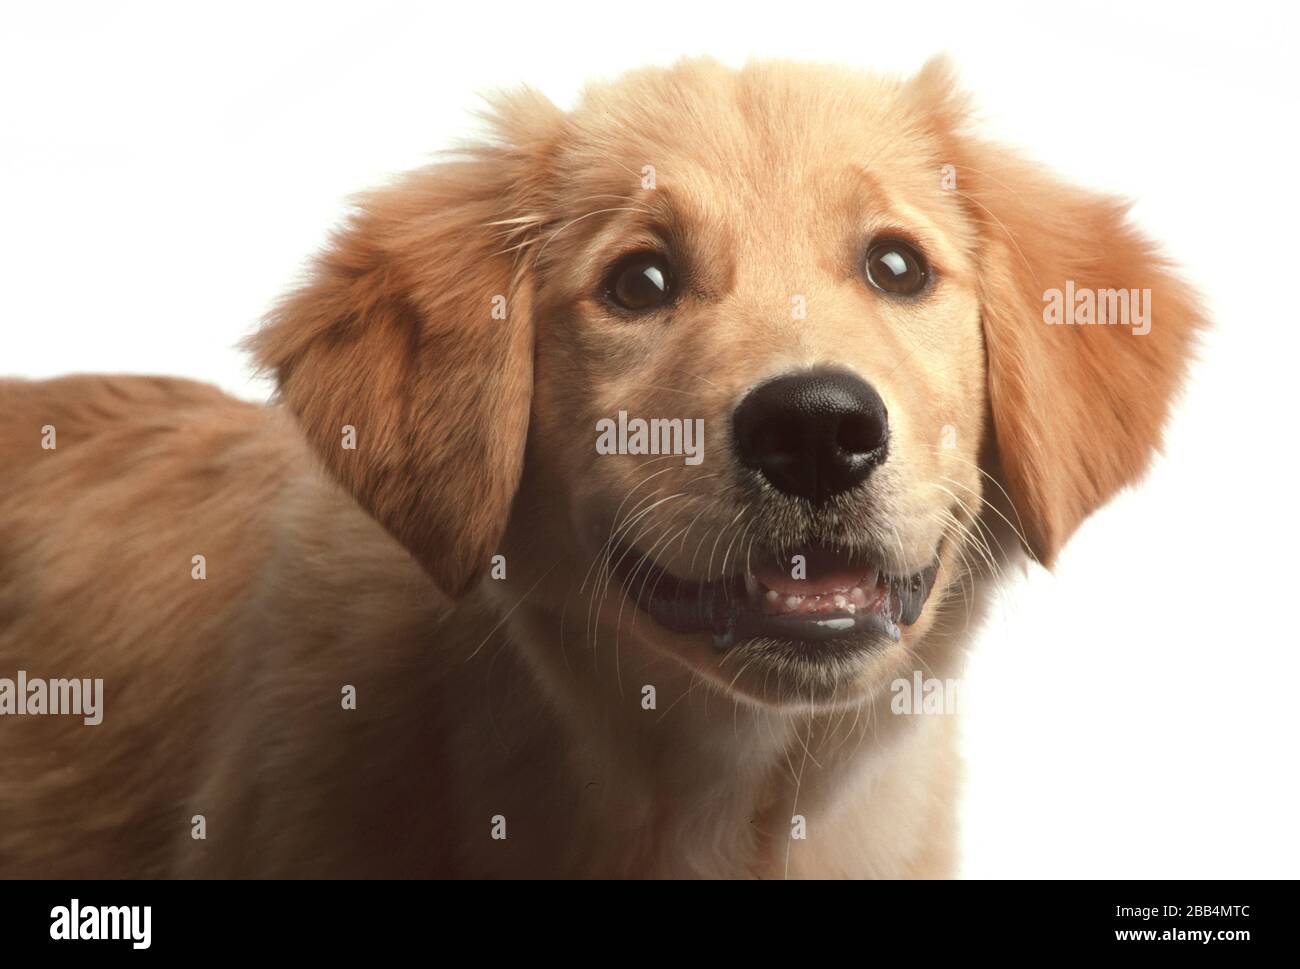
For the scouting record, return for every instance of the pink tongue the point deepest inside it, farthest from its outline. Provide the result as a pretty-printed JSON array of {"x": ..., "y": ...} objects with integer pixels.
[{"x": 818, "y": 582}]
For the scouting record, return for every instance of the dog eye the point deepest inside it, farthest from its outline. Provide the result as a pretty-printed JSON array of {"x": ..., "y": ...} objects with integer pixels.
[
  {"x": 641, "y": 281},
  {"x": 896, "y": 267}
]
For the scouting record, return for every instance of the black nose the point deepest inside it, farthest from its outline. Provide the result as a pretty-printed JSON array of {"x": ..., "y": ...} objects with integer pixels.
[{"x": 813, "y": 434}]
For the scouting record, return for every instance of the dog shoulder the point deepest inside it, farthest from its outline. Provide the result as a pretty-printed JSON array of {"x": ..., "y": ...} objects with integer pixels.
[{"x": 127, "y": 546}]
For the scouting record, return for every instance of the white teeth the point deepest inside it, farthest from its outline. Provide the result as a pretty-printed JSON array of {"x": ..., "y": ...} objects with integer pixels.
[{"x": 850, "y": 600}]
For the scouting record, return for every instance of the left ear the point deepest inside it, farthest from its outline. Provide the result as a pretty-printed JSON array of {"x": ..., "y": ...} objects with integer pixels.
[
  {"x": 414, "y": 334},
  {"x": 1077, "y": 408}
]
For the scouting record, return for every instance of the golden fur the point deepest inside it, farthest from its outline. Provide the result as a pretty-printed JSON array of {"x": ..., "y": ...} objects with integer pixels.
[{"x": 521, "y": 697}]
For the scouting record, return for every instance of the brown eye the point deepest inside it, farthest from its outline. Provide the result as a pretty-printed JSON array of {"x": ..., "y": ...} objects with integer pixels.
[
  {"x": 896, "y": 267},
  {"x": 641, "y": 281}
]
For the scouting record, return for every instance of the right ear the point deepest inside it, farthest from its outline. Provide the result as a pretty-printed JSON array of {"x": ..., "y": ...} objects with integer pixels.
[
  {"x": 412, "y": 341},
  {"x": 1077, "y": 409}
]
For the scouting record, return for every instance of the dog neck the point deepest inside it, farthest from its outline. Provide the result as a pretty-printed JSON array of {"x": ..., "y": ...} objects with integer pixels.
[{"x": 682, "y": 780}]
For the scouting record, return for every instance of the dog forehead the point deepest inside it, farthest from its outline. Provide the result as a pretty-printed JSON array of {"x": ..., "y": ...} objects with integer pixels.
[
  {"x": 704, "y": 103},
  {"x": 769, "y": 141}
]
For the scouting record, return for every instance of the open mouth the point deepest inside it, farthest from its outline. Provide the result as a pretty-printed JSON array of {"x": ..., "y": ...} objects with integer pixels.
[{"x": 836, "y": 594}]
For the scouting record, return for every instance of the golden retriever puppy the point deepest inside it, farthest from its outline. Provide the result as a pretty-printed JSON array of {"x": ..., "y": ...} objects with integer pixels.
[{"x": 622, "y": 468}]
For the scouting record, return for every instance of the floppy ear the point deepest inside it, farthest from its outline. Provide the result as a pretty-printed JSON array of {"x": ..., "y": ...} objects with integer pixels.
[
  {"x": 1077, "y": 408},
  {"x": 407, "y": 357}
]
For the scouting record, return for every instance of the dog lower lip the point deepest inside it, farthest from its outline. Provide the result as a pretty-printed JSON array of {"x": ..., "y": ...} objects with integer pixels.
[{"x": 743, "y": 607}]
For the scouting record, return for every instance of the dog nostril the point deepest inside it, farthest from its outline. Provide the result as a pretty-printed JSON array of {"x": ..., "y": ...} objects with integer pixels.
[
  {"x": 813, "y": 434},
  {"x": 860, "y": 433},
  {"x": 779, "y": 438}
]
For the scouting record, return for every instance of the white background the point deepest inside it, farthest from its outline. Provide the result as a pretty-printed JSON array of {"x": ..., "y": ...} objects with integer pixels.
[{"x": 165, "y": 172}]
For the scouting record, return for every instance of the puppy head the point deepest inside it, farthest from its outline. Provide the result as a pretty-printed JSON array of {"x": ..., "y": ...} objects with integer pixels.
[{"x": 769, "y": 336}]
